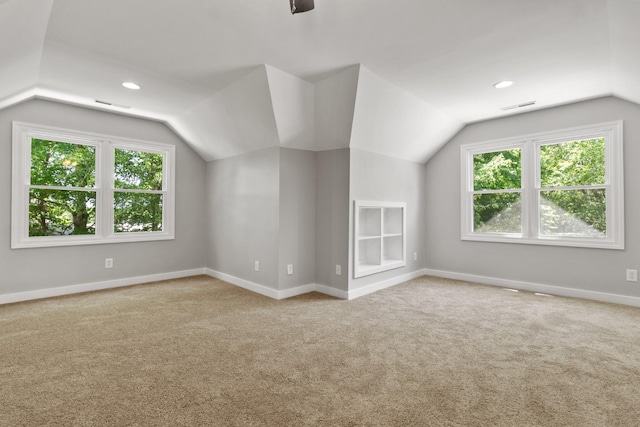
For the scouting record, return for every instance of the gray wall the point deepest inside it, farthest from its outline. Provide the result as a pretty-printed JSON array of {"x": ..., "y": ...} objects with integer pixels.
[
  {"x": 332, "y": 218},
  {"x": 297, "y": 235},
  {"x": 242, "y": 212},
  {"x": 24, "y": 270},
  {"x": 377, "y": 177},
  {"x": 587, "y": 269}
]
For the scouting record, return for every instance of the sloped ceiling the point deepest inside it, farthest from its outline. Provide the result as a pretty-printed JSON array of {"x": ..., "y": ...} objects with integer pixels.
[{"x": 395, "y": 77}]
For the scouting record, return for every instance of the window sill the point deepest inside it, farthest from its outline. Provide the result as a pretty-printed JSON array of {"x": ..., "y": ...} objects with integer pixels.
[
  {"x": 48, "y": 242},
  {"x": 545, "y": 241}
]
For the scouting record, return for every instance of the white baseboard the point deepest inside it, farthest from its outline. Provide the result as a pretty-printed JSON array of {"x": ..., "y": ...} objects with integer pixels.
[
  {"x": 369, "y": 289},
  {"x": 96, "y": 286},
  {"x": 537, "y": 287},
  {"x": 327, "y": 290},
  {"x": 313, "y": 287},
  {"x": 333, "y": 292},
  {"x": 251, "y": 286},
  {"x": 276, "y": 294}
]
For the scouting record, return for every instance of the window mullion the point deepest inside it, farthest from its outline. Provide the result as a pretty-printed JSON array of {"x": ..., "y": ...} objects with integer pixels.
[
  {"x": 106, "y": 188},
  {"x": 530, "y": 184}
]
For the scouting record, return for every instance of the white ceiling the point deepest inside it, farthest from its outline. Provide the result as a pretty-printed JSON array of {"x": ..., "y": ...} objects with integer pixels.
[{"x": 231, "y": 76}]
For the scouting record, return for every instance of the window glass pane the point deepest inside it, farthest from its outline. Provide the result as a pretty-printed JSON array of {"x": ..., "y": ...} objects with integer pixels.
[
  {"x": 572, "y": 163},
  {"x": 62, "y": 164},
  {"x": 61, "y": 212},
  {"x": 573, "y": 213},
  {"x": 135, "y": 212},
  {"x": 138, "y": 170},
  {"x": 499, "y": 170},
  {"x": 497, "y": 213}
]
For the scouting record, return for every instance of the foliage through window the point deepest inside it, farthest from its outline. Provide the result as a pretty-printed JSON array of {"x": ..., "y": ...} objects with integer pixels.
[
  {"x": 77, "y": 188},
  {"x": 562, "y": 188}
]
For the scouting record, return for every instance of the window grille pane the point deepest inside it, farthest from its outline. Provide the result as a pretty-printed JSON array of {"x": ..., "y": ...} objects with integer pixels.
[
  {"x": 137, "y": 212},
  {"x": 61, "y": 212},
  {"x": 138, "y": 170},
  {"x": 573, "y": 213},
  {"x": 62, "y": 164},
  {"x": 573, "y": 163},
  {"x": 499, "y": 170},
  {"x": 497, "y": 213}
]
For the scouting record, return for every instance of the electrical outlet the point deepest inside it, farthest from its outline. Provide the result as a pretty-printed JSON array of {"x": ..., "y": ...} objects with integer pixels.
[
  {"x": 256, "y": 265},
  {"x": 415, "y": 256},
  {"x": 289, "y": 269},
  {"x": 108, "y": 263},
  {"x": 338, "y": 269},
  {"x": 632, "y": 275}
]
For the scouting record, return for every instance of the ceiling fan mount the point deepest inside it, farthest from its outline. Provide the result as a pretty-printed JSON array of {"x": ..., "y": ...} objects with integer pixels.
[{"x": 299, "y": 6}]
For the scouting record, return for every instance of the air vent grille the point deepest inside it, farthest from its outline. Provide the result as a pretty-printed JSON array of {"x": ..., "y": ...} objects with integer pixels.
[
  {"x": 97, "y": 101},
  {"x": 513, "y": 107}
]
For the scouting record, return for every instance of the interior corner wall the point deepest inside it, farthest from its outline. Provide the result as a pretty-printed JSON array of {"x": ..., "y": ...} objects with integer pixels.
[
  {"x": 334, "y": 106},
  {"x": 332, "y": 218},
  {"x": 376, "y": 177},
  {"x": 297, "y": 234},
  {"x": 597, "y": 270},
  {"x": 242, "y": 213},
  {"x": 34, "y": 269}
]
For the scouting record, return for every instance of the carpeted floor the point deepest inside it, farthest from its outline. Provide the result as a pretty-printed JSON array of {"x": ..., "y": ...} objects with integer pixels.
[{"x": 431, "y": 352}]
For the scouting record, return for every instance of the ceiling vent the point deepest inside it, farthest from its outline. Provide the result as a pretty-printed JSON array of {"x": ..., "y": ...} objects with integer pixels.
[
  {"x": 513, "y": 107},
  {"x": 125, "y": 107}
]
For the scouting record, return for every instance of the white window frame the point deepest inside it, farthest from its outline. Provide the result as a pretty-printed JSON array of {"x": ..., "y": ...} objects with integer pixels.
[
  {"x": 530, "y": 145},
  {"x": 23, "y": 133}
]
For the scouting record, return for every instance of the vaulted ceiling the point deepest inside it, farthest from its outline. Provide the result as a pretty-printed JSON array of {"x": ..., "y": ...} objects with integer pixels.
[{"x": 397, "y": 77}]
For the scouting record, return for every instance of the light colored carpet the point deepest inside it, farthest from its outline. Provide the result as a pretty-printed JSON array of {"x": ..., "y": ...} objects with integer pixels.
[{"x": 431, "y": 352}]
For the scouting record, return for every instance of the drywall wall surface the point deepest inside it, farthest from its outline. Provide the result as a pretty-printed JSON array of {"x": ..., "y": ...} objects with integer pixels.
[
  {"x": 293, "y": 109},
  {"x": 335, "y": 99},
  {"x": 597, "y": 270},
  {"x": 242, "y": 213},
  {"x": 23, "y": 270},
  {"x": 385, "y": 114},
  {"x": 22, "y": 50},
  {"x": 332, "y": 218},
  {"x": 297, "y": 237},
  {"x": 236, "y": 120},
  {"x": 375, "y": 177}
]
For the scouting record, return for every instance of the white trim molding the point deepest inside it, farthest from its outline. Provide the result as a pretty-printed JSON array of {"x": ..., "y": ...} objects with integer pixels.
[
  {"x": 378, "y": 286},
  {"x": 537, "y": 287},
  {"x": 274, "y": 293},
  {"x": 314, "y": 287},
  {"x": 96, "y": 286}
]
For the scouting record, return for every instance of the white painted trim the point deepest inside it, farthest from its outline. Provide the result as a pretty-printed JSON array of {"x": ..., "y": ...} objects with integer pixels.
[
  {"x": 374, "y": 287},
  {"x": 332, "y": 292},
  {"x": 275, "y": 294},
  {"x": 299, "y": 290},
  {"x": 245, "y": 284},
  {"x": 96, "y": 286},
  {"x": 537, "y": 287}
]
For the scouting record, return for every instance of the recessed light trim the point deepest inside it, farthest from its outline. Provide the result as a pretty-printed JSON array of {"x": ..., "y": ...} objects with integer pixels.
[
  {"x": 131, "y": 85},
  {"x": 503, "y": 84}
]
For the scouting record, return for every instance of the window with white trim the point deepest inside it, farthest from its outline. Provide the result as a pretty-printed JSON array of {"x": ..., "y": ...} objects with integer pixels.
[
  {"x": 78, "y": 188},
  {"x": 555, "y": 188}
]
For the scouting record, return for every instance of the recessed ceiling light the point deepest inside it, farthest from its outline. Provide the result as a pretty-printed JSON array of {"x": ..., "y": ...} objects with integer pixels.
[
  {"x": 503, "y": 84},
  {"x": 131, "y": 85}
]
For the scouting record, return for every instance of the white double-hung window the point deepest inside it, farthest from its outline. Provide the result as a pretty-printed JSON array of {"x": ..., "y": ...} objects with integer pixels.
[
  {"x": 78, "y": 188},
  {"x": 556, "y": 188}
]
